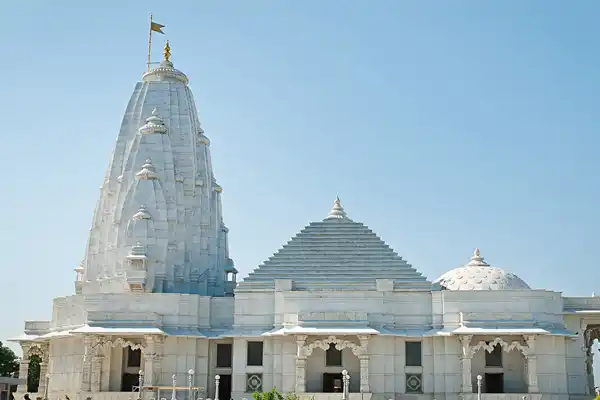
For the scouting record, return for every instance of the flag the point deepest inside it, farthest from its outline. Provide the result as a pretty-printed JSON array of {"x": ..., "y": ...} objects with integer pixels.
[{"x": 156, "y": 27}]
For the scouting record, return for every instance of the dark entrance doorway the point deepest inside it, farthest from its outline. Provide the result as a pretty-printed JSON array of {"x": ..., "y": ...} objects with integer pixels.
[
  {"x": 494, "y": 383},
  {"x": 332, "y": 383},
  {"x": 225, "y": 387}
]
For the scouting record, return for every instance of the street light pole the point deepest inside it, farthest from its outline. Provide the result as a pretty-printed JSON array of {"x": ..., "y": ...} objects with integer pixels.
[
  {"x": 479, "y": 387},
  {"x": 217, "y": 378},
  {"x": 141, "y": 381},
  {"x": 344, "y": 384},
  {"x": 191, "y": 373}
]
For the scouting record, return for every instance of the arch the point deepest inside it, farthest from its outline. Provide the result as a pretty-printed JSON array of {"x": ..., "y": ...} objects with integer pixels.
[
  {"x": 340, "y": 344},
  {"x": 506, "y": 347}
]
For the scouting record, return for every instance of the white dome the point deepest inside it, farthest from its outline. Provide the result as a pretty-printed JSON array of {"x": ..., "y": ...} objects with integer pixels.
[{"x": 479, "y": 275}]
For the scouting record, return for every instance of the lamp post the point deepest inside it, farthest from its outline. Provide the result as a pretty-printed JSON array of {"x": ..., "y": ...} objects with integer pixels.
[
  {"x": 217, "y": 378},
  {"x": 141, "y": 381},
  {"x": 174, "y": 391},
  {"x": 191, "y": 373},
  {"x": 47, "y": 378},
  {"x": 479, "y": 387},
  {"x": 345, "y": 384}
]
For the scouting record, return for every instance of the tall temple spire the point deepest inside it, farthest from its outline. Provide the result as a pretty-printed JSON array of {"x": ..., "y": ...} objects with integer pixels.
[{"x": 159, "y": 198}]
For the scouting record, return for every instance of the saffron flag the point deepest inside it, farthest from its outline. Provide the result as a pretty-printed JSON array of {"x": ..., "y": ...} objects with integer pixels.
[{"x": 156, "y": 27}]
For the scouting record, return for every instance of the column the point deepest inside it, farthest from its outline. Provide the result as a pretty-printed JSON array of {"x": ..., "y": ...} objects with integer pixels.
[
  {"x": 364, "y": 363},
  {"x": 96, "y": 375},
  {"x": 465, "y": 364},
  {"x": 44, "y": 358},
  {"x": 24, "y": 367},
  {"x": 532, "y": 378},
  {"x": 153, "y": 354},
  {"x": 86, "y": 376},
  {"x": 300, "y": 364}
]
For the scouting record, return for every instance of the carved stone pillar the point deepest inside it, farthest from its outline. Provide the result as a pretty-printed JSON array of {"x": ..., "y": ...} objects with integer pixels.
[
  {"x": 44, "y": 358},
  {"x": 153, "y": 354},
  {"x": 465, "y": 364},
  {"x": 364, "y": 363},
  {"x": 96, "y": 376},
  {"x": 24, "y": 367},
  {"x": 532, "y": 378},
  {"x": 300, "y": 364},
  {"x": 89, "y": 350}
]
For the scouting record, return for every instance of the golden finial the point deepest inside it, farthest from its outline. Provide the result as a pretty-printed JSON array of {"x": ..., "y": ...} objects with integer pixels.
[{"x": 167, "y": 51}]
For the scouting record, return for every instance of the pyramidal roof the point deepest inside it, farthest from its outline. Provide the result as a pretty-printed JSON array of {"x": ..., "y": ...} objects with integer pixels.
[{"x": 336, "y": 253}]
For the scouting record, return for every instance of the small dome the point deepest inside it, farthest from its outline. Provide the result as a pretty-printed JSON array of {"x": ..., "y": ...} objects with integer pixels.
[{"x": 479, "y": 275}]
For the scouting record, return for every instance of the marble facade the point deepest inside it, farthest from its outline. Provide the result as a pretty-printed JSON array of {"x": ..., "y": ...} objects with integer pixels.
[{"x": 157, "y": 304}]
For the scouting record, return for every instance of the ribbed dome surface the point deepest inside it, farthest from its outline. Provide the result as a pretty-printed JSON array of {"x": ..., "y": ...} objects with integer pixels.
[{"x": 479, "y": 275}]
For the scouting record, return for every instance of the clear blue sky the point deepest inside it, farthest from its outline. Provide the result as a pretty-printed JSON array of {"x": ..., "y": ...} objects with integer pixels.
[{"x": 442, "y": 125}]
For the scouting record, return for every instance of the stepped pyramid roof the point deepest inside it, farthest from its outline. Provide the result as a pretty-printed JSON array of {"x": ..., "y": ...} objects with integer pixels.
[{"x": 336, "y": 253}]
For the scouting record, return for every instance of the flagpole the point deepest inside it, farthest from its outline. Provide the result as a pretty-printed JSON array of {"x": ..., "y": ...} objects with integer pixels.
[{"x": 149, "y": 41}]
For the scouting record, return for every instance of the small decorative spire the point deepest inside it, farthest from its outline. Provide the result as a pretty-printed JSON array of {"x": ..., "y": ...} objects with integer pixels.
[
  {"x": 154, "y": 124},
  {"x": 142, "y": 213},
  {"x": 167, "y": 51},
  {"x": 147, "y": 171},
  {"x": 477, "y": 260},
  {"x": 337, "y": 212}
]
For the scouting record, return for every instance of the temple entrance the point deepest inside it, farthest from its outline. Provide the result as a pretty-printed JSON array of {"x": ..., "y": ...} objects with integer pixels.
[
  {"x": 332, "y": 383},
  {"x": 225, "y": 387},
  {"x": 494, "y": 383}
]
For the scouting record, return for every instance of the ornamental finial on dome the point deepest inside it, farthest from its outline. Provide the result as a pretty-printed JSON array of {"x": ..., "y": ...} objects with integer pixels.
[
  {"x": 477, "y": 260},
  {"x": 167, "y": 52},
  {"x": 337, "y": 211}
]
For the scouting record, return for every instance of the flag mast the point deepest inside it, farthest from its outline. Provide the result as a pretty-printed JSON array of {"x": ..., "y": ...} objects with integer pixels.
[
  {"x": 149, "y": 41},
  {"x": 156, "y": 28}
]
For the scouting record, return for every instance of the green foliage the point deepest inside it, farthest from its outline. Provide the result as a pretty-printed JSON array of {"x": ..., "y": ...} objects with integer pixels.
[
  {"x": 597, "y": 397},
  {"x": 274, "y": 394},
  {"x": 9, "y": 362},
  {"x": 33, "y": 376}
]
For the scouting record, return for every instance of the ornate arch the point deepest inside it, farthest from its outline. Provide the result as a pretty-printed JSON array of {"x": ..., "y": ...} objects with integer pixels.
[
  {"x": 507, "y": 347},
  {"x": 340, "y": 344}
]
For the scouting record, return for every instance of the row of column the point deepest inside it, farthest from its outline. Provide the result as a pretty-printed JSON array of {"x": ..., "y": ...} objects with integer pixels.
[
  {"x": 467, "y": 356},
  {"x": 362, "y": 354},
  {"x": 96, "y": 348}
]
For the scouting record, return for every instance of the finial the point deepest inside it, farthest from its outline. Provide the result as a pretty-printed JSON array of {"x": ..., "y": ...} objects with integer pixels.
[
  {"x": 477, "y": 259},
  {"x": 167, "y": 51},
  {"x": 337, "y": 211}
]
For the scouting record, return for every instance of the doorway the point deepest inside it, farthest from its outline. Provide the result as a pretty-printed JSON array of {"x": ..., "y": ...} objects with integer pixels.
[
  {"x": 225, "y": 387},
  {"x": 332, "y": 383},
  {"x": 494, "y": 383}
]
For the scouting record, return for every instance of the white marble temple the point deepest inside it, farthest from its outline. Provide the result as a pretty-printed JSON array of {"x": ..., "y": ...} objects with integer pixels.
[{"x": 157, "y": 293}]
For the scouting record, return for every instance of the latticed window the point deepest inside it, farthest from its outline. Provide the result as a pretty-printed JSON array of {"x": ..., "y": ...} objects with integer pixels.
[
  {"x": 414, "y": 383},
  {"x": 253, "y": 383}
]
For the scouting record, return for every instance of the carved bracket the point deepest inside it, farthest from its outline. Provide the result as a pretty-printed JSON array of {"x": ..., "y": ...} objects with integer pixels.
[
  {"x": 340, "y": 344},
  {"x": 507, "y": 347}
]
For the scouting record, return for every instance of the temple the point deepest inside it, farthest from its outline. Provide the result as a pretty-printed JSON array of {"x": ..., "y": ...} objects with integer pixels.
[{"x": 336, "y": 313}]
